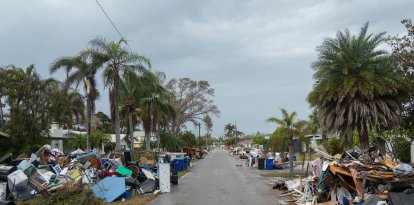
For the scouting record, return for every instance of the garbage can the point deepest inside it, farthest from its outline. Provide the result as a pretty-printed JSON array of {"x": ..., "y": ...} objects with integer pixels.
[
  {"x": 182, "y": 163},
  {"x": 261, "y": 164},
  {"x": 177, "y": 165},
  {"x": 186, "y": 163},
  {"x": 269, "y": 164}
]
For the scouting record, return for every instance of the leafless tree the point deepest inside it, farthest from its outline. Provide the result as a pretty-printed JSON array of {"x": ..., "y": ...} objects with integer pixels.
[{"x": 194, "y": 100}]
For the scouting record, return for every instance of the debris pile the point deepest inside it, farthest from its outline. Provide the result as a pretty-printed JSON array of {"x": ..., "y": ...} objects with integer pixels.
[
  {"x": 51, "y": 174},
  {"x": 355, "y": 177}
]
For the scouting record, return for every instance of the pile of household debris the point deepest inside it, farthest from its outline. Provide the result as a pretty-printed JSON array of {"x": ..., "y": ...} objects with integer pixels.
[
  {"x": 355, "y": 177},
  {"x": 110, "y": 178}
]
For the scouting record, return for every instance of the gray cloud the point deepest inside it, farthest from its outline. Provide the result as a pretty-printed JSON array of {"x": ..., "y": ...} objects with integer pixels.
[{"x": 256, "y": 54}]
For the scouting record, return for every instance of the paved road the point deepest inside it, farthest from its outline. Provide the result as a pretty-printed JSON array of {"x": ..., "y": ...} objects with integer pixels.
[{"x": 217, "y": 180}]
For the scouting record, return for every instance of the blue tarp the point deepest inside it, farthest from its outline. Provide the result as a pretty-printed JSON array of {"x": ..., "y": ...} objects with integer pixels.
[
  {"x": 109, "y": 188},
  {"x": 85, "y": 155}
]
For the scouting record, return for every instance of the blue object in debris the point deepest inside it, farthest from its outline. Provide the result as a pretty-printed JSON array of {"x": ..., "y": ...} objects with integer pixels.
[
  {"x": 269, "y": 164},
  {"x": 109, "y": 188},
  {"x": 85, "y": 155}
]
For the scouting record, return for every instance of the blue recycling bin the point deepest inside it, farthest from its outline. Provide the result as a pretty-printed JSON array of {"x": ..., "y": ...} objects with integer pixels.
[
  {"x": 182, "y": 163},
  {"x": 269, "y": 164},
  {"x": 177, "y": 165},
  {"x": 185, "y": 163}
]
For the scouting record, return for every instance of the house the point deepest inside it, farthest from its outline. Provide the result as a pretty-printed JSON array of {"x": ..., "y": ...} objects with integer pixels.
[
  {"x": 246, "y": 143},
  {"x": 139, "y": 137},
  {"x": 57, "y": 135}
]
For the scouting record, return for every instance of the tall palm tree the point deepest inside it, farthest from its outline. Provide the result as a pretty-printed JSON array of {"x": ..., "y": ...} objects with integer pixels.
[
  {"x": 155, "y": 104},
  {"x": 290, "y": 127},
  {"x": 229, "y": 130},
  {"x": 84, "y": 70},
  {"x": 355, "y": 86},
  {"x": 129, "y": 92},
  {"x": 208, "y": 123},
  {"x": 117, "y": 60}
]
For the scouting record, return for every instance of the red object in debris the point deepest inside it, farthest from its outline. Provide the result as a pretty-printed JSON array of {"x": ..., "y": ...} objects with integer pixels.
[
  {"x": 111, "y": 173},
  {"x": 315, "y": 181}
]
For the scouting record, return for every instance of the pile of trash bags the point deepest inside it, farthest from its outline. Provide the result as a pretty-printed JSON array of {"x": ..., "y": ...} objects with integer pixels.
[
  {"x": 48, "y": 170},
  {"x": 354, "y": 177}
]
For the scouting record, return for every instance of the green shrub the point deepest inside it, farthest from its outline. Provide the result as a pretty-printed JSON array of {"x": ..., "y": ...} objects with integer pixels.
[{"x": 334, "y": 146}]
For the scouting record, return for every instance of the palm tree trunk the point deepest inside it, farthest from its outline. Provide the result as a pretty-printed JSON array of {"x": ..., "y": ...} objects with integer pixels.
[
  {"x": 88, "y": 123},
  {"x": 364, "y": 137},
  {"x": 131, "y": 132},
  {"x": 290, "y": 156},
  {"x": 158, "y": 138},
  {"x": 117, "y": 121},
  {"x": 324, "y": 137},
  {"x": 147, "y": 140},
  {"x": 148, "y": 131}
]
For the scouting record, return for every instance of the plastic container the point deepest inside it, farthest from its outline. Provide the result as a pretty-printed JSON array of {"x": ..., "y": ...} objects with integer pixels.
[
  {"x": 269, "y": 164},
  {"x": 124, "y": 171}
]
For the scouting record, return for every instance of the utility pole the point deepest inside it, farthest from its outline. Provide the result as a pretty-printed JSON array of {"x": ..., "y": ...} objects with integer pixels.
[
  {"x": 235, "y": 133},
  {"x": 199, "y": 131}
]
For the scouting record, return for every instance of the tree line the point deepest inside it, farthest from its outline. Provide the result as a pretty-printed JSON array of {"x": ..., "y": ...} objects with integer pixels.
[
  {"x": 137, "y": 96},
  {"x": 362, "y": 95}
]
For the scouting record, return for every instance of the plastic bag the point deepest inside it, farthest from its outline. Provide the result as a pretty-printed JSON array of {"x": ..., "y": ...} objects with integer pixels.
[{"x": 402, "y": 169}]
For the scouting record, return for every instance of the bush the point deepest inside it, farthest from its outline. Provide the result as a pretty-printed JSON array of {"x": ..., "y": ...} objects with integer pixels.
[{"x": 334, "y": 146}]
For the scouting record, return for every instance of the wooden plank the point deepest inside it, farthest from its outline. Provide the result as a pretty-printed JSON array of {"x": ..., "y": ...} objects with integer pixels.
[
  {"x": 339, "y": 170},
  {"x": 39, "y": 188}
]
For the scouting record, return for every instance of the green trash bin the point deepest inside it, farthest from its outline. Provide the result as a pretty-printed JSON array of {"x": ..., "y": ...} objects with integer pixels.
[{"x": 261, "y": 164}]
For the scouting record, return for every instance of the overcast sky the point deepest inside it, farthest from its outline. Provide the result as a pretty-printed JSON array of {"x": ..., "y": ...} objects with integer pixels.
[{"x": 255, "y": 54}]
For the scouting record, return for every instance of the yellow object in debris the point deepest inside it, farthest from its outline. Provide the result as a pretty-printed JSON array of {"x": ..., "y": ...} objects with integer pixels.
[{"x": 76, "y": 176}]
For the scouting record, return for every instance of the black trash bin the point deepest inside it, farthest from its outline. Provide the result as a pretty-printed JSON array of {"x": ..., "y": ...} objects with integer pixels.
[{"x": 261, "y": 164}]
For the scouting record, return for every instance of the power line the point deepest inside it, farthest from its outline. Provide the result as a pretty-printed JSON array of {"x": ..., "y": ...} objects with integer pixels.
[{"x": 113, "y": 24}]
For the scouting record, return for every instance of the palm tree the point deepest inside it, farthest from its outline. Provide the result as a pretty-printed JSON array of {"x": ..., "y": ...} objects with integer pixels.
[
  {"x": 117, "y": 60},
  {"x": 155, "y": 104},
  {"x": 290, "y": 127},
  {"x": 98, "y": 138},
  {"x": 355, "y": 87},
  {"x": 28, "y": 97},
  {"x": 85, "y": 69},
  {"x": 66, "y": 105},
  {"x": 208, "y": 123},
  {"x": 129, "y": 92},
  {"x": 75, "y": 142},
  {"x": 229, "y": 130}
]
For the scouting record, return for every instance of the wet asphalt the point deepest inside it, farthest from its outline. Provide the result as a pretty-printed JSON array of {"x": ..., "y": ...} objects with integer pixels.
[{"x": 218, "y": 180}]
